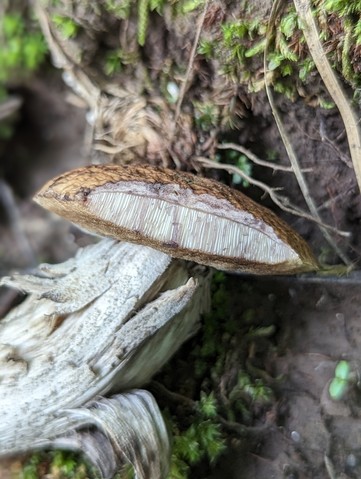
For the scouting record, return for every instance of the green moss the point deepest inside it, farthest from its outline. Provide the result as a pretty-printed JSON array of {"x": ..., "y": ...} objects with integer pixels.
[
  {"x": 239, "y": 48},
  {"x": 207, "y": 48},
  {"x": 143, "y": 20},
  {"x": 343, "y": 7},
  {"x": 23, "y": 47},
  {"x": 127, "y": 472},
  {"x": 206, "y": 115},
  {"x": 202, "y": 440},
  {"x": 119, "y": 8},
  {"x": 143, "y": 8},
  {"x": 207, "y": 405},
  {"x": 30, "y": 470},
  {"x": 342, "y": 31},
  {"x": 66, "y": 25},
  {"x": 22, "y": 51},
  {"x": 239, "y": 160},
  {"x": 113, "y": 62},
  {"x": 59, "y": 464},
  {"x": 243, "y": 163},
  {"x": 179, "y": 7},
  {"x": 215, "y": 359}
]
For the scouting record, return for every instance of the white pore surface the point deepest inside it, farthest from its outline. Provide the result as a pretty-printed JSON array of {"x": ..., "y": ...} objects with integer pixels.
[{"x": 170, "y": 214}]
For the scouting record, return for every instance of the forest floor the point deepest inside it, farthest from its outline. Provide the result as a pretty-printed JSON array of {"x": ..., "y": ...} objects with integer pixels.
[{"x": 316, "y": 319}]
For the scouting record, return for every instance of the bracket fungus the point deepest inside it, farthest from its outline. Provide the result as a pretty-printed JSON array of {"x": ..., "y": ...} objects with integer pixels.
[{"x": 183, "y": 215}]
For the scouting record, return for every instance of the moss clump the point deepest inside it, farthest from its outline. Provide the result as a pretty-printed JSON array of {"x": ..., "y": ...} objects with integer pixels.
[
  {"x": 215, "y": 388},
  {"x": 144, "y": 8},
  {"x": 23, "y": 47},
  {"x": 340, "y": 25},
  {"x": 65, "y": 25},
  {"x": 239, "y": 48},
  {"x": 55, "y": 465},
  {"x": 202, "y": 440}
]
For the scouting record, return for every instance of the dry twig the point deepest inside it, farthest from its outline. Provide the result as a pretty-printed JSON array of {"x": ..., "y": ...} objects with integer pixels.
[
  {"x": 189, "y": 68},
  {"x": 279, "y": 200},
  {"x": 251, "y": 156}
]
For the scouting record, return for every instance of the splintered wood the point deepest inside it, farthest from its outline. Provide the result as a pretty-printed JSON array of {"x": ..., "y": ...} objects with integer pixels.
[{"x": 93, "y": 326}]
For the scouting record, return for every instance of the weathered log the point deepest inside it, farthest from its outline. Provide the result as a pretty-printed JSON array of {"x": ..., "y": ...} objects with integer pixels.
[{"x": 102, "y": 322}]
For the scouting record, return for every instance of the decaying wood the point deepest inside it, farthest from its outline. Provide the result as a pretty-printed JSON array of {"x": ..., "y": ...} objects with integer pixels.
[{"x": 102, "y": 322}]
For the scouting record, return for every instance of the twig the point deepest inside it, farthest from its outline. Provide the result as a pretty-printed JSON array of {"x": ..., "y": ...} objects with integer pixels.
[
  {"x": 232, "y": 426},
  {"x": 160, "y": 390},
  {"x": 251, "y": 156},
  {"x": 189, "y": 68},
  {"x": 278, "y": 199},
  {"x": 329, "y": 467},
  {"x": 250, "y": 432},
  {"x": 73, "y": 75},
  {"x": 113, "y": 150}
]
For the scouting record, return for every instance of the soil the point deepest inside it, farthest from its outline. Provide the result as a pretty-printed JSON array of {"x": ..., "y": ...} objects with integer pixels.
[
  {"x": 317, "y": 319},
  {"x": 308, "y": 435}
]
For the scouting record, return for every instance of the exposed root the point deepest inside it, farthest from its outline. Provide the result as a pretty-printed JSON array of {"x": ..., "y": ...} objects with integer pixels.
[{"x": 251, "y": 156}]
